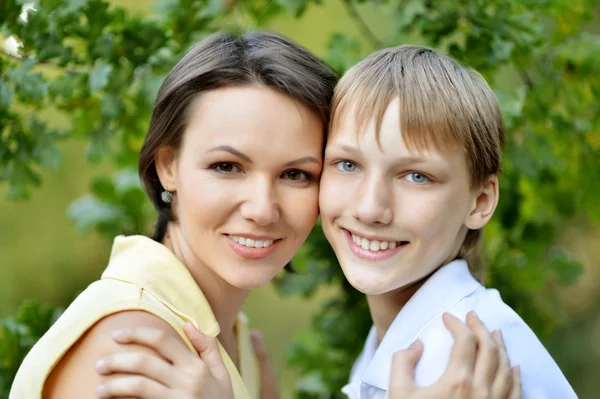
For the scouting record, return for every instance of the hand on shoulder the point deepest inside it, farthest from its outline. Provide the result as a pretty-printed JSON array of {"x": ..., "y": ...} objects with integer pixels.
[
  {"x": 478, "y": 368},
  {"x": 75, "y": 376}
]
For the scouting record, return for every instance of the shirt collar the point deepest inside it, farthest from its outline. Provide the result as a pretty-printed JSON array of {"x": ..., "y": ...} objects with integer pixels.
[
  {"x": 447, "y": 286},
  {"x": 150, "y": 265}
]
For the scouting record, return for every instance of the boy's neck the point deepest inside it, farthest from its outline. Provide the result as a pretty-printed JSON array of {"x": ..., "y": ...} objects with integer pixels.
[{"x": 385, "y": 307}]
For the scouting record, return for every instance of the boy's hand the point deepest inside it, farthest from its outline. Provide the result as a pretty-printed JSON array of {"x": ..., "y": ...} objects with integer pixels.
[
  {"x": 268, "y": 379},
  {"x": 478, "y": 367}
]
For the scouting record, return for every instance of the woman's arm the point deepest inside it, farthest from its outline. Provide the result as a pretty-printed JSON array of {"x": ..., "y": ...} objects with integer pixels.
[{"x": 75, "y": 376}]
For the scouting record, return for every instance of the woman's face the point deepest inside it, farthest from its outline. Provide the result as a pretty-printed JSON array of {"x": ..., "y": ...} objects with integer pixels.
[{"x": 245, "y": 183}]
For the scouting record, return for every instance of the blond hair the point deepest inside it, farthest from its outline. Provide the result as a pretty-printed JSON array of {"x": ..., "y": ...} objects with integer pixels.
[{"x": 442, "y": 105}]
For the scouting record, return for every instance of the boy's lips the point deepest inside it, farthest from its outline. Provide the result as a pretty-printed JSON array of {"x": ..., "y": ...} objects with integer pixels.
[{"x": 373, "y": 250}]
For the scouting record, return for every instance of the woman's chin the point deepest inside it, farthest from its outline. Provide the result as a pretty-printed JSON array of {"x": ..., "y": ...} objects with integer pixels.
[{"x": 249, "y": 280}]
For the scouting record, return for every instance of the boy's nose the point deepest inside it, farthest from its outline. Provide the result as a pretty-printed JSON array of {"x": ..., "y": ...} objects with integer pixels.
[{"x": 373, "y": 204}]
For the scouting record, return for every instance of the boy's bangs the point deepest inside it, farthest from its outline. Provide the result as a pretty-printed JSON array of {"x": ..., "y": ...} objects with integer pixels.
[{"x": 427, "y": 120}]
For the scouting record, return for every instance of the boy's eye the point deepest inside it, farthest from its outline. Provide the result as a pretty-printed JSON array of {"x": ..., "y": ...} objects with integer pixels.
[
  {"x": 297, "y": 175},
  {"x": 417, "y": 178},
  {"x": 225, "y": 167},
  {"x": 346, "y": 166}
]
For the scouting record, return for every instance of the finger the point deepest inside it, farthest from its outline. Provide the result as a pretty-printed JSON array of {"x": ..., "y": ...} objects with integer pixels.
[
  {"x": 486, "y": 363},
  {"x": 462, "y": 358},
  {"x": 516, "y": 391},
  {"x": 402, "y": 376},
  {"x": 133, "y": 386},
  {"x": 208, "y": 349},
  {"x": 141, "y": 364},
  {"x": 268, "y": 379},
  {"x": 167, "y": 345},
  {"x": 503, "y": 381}
]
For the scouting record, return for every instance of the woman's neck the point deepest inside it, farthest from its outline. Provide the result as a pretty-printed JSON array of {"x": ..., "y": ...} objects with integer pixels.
[{"x": 224, "y": 299}]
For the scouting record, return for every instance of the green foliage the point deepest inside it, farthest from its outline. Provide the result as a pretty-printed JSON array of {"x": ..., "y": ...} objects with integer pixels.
[
  {"x": 98, "y": 68},
  {"x": 18, "y": 334}
]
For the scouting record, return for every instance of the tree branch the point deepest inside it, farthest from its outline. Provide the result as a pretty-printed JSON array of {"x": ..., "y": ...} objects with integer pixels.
[{"x": 361, "y": 24}]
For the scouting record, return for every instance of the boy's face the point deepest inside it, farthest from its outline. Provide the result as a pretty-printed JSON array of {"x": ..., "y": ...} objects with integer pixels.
[{"x": 394, "y": 215}]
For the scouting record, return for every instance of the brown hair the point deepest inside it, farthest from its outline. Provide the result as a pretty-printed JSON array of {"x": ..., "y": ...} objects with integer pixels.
[
  {"x": 226, "y": 59},
  {"x": 442, "y": 104}
]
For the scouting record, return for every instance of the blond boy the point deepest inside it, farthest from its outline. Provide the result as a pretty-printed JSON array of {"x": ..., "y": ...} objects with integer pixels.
[{"x": 415, "y": 147}]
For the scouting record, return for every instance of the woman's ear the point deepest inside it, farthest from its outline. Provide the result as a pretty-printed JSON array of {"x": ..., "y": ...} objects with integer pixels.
[
  {"x": 166, "y": 168},
  {"x": 484, "y": 204}
]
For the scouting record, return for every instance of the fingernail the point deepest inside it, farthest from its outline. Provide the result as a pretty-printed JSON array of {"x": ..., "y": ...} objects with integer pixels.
[
  {"x": 414, "y": 345},
  {"x": 473, "y": 313},
  {"x": 500, "y": 335},
  {"x": 117, "y": 334},
  {"x": 100, "y": 366},
  {"x": 100, "y": 391}
]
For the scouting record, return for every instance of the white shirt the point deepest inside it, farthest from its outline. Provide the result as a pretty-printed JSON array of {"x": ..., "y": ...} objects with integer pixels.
[{"x": 452, "y": 289}]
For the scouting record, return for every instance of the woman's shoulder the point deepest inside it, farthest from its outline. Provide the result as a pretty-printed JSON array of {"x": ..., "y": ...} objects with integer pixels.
[
  {"x": 75, "y": 374},
  {"x": 103, "y": 305}
]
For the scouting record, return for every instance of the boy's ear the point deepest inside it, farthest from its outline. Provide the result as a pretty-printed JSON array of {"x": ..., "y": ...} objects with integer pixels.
[
  {"x": 166, "y": 168},
  {"x": 484, "y": 204}
]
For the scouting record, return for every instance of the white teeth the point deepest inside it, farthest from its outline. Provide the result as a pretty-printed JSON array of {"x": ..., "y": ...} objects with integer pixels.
[
  {"x": 249, "y": 242},
  {"x": 373, "y": 245},
  {"x": 365, "y": 243}
]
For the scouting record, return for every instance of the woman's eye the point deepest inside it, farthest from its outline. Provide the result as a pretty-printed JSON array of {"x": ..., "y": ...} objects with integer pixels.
[
  {"x": 417, "y": 178},
  {"x": 297, "y": 175},
  {"x": 225, "y": 167},
  {"x": 346, "y": 166}
]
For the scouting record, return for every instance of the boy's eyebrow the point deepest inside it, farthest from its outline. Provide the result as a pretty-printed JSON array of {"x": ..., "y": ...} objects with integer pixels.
[
  {"x": 233, "y": 151},
  {"x": 344, "y": 147}
]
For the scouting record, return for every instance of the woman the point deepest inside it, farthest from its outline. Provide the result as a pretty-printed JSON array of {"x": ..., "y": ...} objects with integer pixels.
[
  {"x": 231, "y": 161},
  {"x": 231, "y": 214}
]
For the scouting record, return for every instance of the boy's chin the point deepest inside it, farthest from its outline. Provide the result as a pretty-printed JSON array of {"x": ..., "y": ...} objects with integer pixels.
[{"x": 368, "y": 283}]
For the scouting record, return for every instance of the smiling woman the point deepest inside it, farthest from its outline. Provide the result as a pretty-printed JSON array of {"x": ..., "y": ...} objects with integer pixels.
[
  {"x": 231, "y": 161},
  {"x": 228, "y": 184}
]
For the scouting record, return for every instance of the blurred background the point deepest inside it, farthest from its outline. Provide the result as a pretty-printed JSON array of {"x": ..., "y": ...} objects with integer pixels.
[{"x": 540, "y": 56}]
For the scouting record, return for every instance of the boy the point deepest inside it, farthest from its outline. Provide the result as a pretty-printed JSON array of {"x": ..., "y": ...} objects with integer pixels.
[{"x": 415, "y": 145}]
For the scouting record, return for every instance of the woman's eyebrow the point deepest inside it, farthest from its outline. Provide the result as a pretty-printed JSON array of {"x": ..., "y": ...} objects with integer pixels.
[
  {"x": 303, "y": 160},
  {"x": 233, "y": 151}
]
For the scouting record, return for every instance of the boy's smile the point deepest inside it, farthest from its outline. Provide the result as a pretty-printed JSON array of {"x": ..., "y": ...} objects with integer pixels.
[
  {"x": 393, "y": 214},
  {"x": 373, "y": 248}
]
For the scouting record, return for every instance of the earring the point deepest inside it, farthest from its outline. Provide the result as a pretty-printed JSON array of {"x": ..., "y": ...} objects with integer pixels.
[{"x": 166, "y": 196}]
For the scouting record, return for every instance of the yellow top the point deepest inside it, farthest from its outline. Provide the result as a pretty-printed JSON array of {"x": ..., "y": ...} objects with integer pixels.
[{"x": 141, "y": 275}]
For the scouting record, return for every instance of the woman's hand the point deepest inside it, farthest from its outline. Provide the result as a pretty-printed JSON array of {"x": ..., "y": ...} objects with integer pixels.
[
  {"x": 179, "y": 375},
  {"x": 478, "y": 368}
]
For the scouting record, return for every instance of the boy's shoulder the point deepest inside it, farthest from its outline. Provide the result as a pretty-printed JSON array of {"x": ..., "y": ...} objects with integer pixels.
[{"x": 540, "y": 375}]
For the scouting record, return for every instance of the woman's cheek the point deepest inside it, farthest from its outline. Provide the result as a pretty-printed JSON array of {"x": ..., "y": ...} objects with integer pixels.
[{"x": 304, "y": 209}]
